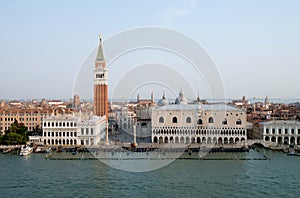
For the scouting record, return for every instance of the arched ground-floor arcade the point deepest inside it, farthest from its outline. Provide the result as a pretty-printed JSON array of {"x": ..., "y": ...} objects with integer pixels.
[
  {"x": 282, "y": 140},
  {"x": 199, "y": 139}
]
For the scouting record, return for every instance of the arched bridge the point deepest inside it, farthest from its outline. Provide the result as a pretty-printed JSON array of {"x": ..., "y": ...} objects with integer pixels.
[{"x": 261, "y": 142}]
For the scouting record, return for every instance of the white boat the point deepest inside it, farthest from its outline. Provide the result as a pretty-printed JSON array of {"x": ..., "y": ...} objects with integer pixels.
[
  {"x": 40, "y": 149},
  {"x": 26, "y": 150}
]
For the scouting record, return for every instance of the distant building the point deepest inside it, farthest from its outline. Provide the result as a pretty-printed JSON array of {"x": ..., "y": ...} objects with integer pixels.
[
  {"x": 76, "y": 102},
  {"x": 55, "y": 102},
  {"x": 197, "y": 123},
  {"x": 125, "y": 118},
  {"x": 32, "y": 118},
  {"x": 44, "y": 102},
  {"x": 3, "y": 103},
  {"x": 266, "y": 103},
  {"x": 281, "y": 131},
  {"x": 241, "y": 103},
  {"x": 145, "y": 102}
]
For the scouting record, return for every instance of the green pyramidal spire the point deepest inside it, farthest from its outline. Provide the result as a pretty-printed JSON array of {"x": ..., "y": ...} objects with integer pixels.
[{"x": 100, "y": 55}]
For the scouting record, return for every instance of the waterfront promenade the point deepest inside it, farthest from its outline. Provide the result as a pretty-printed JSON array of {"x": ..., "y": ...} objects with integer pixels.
[{"x": 144, "y": 146}]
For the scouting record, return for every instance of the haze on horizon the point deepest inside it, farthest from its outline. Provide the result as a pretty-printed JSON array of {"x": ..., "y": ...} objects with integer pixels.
[{"x": 254, "y": 44}]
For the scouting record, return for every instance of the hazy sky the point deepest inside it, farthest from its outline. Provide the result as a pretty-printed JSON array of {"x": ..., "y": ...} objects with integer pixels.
[{"x": 255, "y": 44}]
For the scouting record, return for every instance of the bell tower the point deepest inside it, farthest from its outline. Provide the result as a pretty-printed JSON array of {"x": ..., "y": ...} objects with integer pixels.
[{"x": 100, "y": 84}]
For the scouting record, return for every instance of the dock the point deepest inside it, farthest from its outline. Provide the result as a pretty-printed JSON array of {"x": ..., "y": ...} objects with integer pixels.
[{"x": 157, "y": 152}]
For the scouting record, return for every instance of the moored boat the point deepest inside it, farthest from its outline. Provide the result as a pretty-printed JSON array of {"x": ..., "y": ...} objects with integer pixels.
[
  {"x": 40, "y": 149},
  {"x": 8, "y": 150},
  {"x": 293, "y": 153},
  {"x": 26, "y": 150}
]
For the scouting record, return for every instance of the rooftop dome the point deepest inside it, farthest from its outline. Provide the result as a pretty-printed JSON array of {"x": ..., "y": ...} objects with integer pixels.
[
  {"x": 163, "y": 101},
  {"x": 181, "y": 99}
]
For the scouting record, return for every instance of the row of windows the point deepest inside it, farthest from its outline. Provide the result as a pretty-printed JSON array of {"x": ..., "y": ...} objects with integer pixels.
[
  {"x": 25, "y": 123},
  {"x": 203, "y": 132},
  {"x": 20, "y": 119},
  {"x": 283, "y": 140},
  {"x": 87, "y": 131},
  {"x": 199, "y": 122},
  {"x": 60, "y": 134},
  {"x": 99, "y": 75},
  {"x": 22, "y": 114},
  {"x": 60, "y": 124},
  {"x": 223, "y": 128},
  {"x": 281, "y": 131},
  {"x": 211, "y": 114},
  {"x": 60, "y": 142},
  {"x": 87, "y": 142},
  {"x": 186, "y": 140},
  {"x": 68, "y": 142}
]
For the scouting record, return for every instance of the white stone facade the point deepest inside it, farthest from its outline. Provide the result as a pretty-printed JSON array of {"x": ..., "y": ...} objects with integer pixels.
[
  {"x": 281, "y": 131},
  {"x": 60, "y": 130},
  {"x": 69, "y": 130},
  {"x": 198, "y": 123},
  {"x": 91, "y": 131}
]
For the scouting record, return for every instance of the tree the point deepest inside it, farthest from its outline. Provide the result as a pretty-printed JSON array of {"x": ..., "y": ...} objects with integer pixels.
[{"x": 15, "y": 134}]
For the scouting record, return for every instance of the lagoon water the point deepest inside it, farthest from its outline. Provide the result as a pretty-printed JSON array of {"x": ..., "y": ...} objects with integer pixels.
[{"x": 37, "y": 177}]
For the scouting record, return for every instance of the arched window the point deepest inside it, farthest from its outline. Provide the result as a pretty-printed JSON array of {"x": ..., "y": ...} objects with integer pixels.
[
  {"x": 224, "y": 122},
  {"x": 238, "y": 122},
  {"x": 210, "y": 120},
  {"x": 174, "y": 120},
  {"x": 161, "y": 120},
  {"x": 199, "y": 122},
  {"x": 188, "y": 120}
]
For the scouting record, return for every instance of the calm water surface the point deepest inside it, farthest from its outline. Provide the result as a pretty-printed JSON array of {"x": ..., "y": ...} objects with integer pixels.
[{"x": 35, "y": 176}]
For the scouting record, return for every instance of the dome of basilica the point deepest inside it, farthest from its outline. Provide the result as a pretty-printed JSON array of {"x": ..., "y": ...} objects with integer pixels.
[
  {"x": 163, "y": 101},
  {"x": 181, "y": 99}
]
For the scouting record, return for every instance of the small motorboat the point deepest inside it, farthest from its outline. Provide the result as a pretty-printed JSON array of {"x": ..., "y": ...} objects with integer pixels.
[
  {"x": 8, "y": 150},
  {"x": 40, "y": 149},
  {"x": 26, "y": 150}
]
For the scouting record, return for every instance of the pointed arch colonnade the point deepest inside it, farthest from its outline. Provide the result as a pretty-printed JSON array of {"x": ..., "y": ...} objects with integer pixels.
[{"x": 206, "y": 135}]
